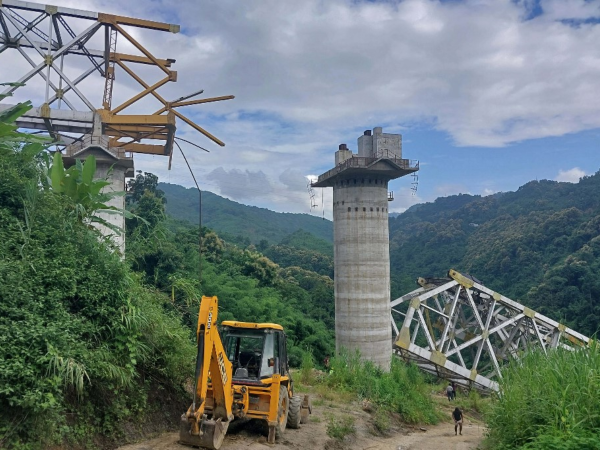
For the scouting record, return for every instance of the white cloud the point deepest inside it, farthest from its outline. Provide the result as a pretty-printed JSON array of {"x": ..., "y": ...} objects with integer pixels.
[
  {"x": 570, "y": 176},
  {"x": 404, "y": 198},
  {"x": 445, "y": 190},
  {"x": 308, "y": 75}
]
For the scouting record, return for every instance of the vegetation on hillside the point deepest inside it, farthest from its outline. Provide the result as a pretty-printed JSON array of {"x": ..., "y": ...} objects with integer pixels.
[
  {"x": 240, "y": 223},
  {"x": 548, "y": 402},
  {"x": 538, "y": 245},
  {"x": 90, "y": 344},
  {"x": 83, "y": 344},
  {"x": 249, "y": 285}
]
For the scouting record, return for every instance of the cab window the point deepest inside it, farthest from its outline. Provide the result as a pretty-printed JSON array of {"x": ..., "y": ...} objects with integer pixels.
[{"x": 269, "y": 354}]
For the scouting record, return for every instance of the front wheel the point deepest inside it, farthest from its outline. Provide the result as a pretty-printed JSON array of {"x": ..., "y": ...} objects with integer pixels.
[
  {"x": 282, "y": 412},
  {"x": 294, "y": 416}
]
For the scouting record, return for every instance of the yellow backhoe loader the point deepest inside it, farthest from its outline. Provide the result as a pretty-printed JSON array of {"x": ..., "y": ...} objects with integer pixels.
[{"x": 245, "y": 375}]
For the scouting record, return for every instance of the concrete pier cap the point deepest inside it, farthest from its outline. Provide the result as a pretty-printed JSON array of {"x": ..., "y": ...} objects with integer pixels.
[{"x": 361, "y": 242}]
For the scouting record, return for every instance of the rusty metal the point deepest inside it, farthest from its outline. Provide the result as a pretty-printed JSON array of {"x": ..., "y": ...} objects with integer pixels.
[{"x": 44, "y": 36}]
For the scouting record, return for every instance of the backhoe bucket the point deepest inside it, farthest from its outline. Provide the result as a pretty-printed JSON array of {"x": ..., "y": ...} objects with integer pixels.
[{"x": 212, "y": 433}]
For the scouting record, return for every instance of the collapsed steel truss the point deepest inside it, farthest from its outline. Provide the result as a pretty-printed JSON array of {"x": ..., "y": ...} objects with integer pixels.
[
  {"x": 460, "y": 330},
  {"x": 50, "y": 37}
]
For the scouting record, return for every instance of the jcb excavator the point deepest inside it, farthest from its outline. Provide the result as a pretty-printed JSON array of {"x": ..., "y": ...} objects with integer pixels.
[{"x": 244, "y": 376}]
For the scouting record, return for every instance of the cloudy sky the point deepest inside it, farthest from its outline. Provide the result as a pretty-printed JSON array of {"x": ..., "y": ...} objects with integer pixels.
[{"x": 488, "y": 94}]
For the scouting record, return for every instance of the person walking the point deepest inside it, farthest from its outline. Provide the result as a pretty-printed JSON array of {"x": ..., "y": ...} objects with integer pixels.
[
  {"x": 457, "y": 415},
  {"x": 453, "y": 390},
  {"x": 450, "y": 392}
]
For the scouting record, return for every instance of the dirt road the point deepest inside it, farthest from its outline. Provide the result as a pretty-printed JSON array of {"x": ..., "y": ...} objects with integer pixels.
[
  {"x": 435, "y": 438},
  {"x": 313, "y": 436}
]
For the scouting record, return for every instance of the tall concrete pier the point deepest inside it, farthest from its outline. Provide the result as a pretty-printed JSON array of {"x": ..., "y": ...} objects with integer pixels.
[{"x": 361, "y": 242}]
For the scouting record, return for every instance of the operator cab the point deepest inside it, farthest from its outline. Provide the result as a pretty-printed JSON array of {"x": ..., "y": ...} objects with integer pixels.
[{"x": 256, "y": 350}]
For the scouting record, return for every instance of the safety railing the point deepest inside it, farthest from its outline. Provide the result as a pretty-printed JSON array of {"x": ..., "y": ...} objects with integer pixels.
[
  {"x": 359, "y": 162},
  {"x": 96, "y": 141}
]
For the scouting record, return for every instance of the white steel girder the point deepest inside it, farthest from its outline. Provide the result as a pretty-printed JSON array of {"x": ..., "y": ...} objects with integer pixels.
[{"x": 458, "y": 329}]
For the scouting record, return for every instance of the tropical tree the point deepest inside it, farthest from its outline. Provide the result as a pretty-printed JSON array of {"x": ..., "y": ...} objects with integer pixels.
[{"x": 78, "y": 183}]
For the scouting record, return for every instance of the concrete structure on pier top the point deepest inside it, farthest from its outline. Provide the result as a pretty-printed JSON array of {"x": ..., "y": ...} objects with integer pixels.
[{"x": 361, "y": 241}]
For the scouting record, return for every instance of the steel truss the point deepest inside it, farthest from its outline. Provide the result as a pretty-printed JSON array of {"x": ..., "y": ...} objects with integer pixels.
[
  {"x": 460, "y": 330},
  {"x": 44, "y": 36}
]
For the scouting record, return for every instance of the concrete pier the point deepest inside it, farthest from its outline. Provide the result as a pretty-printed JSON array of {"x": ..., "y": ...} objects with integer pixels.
[{"x": 361, "y": 242}]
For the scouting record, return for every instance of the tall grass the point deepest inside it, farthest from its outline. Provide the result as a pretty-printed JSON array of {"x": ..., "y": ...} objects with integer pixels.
[
  {"x": 549, "y": 402},
  {"x": 401, "y": 390},
  {"x": 307, "y": 368}
]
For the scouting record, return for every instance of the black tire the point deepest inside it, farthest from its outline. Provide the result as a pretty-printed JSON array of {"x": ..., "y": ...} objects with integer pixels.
[
  {"x": 282, "y": 412},
  {"x": 293, "y": 420}
]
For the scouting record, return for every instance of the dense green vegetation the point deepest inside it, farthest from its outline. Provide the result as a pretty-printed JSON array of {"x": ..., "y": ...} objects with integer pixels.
[
  {"x": 402, "y": 390},
  {"x": 234, "y": 221},
  {"x": 84, "y": 346},
  {"x": 249, "y": 285},
  {"x": 538, "y": 245},
  {"x": 91, "y": 345},
  {"x": 549, "y": 402}
]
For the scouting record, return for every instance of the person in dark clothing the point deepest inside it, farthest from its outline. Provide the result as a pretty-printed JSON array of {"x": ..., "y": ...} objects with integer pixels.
[
  {"x": 457, "y": 415},
  {"x": 453, "y": 390}
]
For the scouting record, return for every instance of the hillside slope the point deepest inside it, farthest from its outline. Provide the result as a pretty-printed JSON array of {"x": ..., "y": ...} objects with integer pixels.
[
  {"x": 539, "y": 245},
  {"x": 229, "y": 218}
]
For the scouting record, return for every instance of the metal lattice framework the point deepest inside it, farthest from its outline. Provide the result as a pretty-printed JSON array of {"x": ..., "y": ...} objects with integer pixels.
[
  {"x": 49, "y": 38},
  {"x": 460, "y": 330}
]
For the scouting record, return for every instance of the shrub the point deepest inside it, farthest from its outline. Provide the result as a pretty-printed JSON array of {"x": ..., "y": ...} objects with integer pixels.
[
  {"x": 340, "y": 427},
  {"x": 307, "y": 368},
  {"x": 548, "y": 401},
  {"x": 402, "y": 390},
  {"x": 382, "y": 420}
]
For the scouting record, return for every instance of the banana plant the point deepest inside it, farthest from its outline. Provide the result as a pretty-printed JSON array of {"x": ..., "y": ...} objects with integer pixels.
[
  {"x": 77, "y": 182},
  {"x": 29, "y": 145}
]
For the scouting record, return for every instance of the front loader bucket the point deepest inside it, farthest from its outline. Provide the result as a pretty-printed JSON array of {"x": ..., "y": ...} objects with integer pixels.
[{"x": 212, "y": 433}]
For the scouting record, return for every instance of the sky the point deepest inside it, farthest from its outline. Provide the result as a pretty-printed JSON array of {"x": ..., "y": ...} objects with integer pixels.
[{"x": 487, "y": 94}]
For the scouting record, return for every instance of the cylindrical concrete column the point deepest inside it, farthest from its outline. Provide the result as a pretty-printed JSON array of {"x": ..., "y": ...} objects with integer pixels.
[
  {"x": 115, "y": 174},
  {"x": 362, "y": 272},
  {"x": 361, "y": 242}
]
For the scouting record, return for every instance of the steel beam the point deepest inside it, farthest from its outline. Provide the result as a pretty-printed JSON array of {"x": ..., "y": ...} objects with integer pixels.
[
  {"x": 49, "y": 31},
  {"x": 468, "y": 315}
]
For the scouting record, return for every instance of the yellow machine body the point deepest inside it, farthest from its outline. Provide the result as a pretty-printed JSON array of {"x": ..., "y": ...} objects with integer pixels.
[{"x": 245, "y": 375}]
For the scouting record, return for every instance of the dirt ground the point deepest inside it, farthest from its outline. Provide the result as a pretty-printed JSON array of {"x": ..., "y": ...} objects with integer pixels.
[{"x": 313, "y": 435}]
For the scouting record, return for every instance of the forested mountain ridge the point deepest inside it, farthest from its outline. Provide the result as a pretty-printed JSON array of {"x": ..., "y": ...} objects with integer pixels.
[
  {"x": 231, "y": 219},
  {"x": 539, "y": 245}
]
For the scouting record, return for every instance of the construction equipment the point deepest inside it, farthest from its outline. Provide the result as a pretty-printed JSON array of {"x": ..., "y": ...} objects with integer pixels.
[{"x": 244, "y": 376}]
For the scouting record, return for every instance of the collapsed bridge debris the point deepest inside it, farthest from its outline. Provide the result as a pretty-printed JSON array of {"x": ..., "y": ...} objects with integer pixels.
[{"x": 458, "y": 329}]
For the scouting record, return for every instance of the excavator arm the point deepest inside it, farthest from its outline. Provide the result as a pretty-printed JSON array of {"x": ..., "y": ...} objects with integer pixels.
[{"x": 207, "y": 419}]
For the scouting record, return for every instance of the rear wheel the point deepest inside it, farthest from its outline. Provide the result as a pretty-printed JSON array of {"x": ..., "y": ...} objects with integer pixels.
[
  {"x": 293, "y": 420},
  {"x": 282, "y": 412}
]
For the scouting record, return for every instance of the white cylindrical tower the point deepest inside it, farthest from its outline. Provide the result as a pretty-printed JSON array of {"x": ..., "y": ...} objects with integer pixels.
[{"x": 361, "y": 242}]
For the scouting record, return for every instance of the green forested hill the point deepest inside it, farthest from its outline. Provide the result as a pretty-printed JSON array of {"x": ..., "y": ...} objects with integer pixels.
[
  {"x": 95, "y": 348},
  {"x": 231, "y": 219},
  {"x": 539, "y": 245}
]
